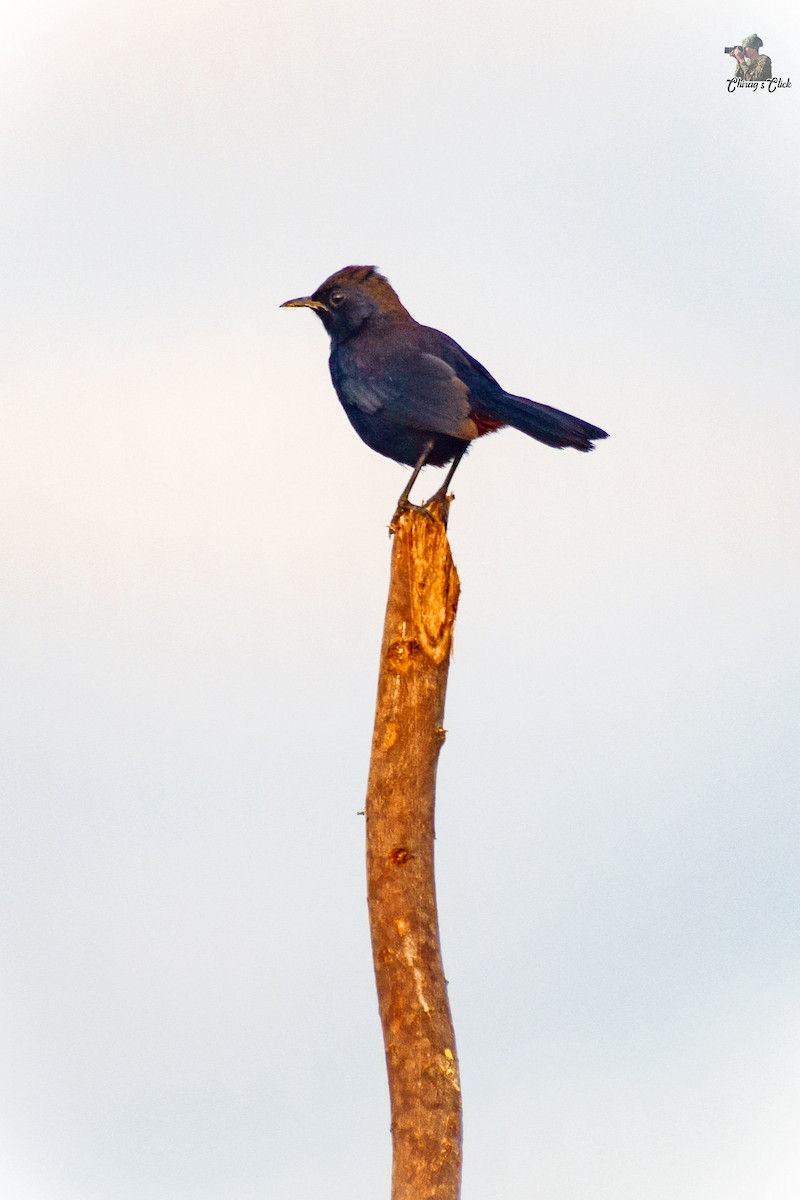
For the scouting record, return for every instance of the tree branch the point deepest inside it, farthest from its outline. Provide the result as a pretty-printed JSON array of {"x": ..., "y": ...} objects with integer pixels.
[{"x": 412, "y": 990}]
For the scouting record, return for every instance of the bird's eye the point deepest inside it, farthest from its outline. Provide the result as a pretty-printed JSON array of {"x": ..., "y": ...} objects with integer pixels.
[{"x": 336, "y": 298}]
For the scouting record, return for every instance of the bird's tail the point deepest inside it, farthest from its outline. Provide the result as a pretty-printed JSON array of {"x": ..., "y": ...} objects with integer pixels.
[{"x": 548, "y": 425}]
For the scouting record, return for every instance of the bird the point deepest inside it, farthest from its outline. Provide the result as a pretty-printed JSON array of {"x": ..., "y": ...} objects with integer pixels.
[{"x": 411, "y": 392}]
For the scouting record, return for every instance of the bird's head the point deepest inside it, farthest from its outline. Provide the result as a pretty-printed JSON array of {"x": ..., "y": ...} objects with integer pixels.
[{"x": 349, "y": 298}]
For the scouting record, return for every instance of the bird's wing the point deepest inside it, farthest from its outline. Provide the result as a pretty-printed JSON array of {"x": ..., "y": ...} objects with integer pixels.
[
  {"x": 474, "y": 373},
  {"x": 413, "y": 388}
]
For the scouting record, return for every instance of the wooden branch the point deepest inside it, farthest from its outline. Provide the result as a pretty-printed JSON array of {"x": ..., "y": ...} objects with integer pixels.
[{"x": 412, "y": 990}]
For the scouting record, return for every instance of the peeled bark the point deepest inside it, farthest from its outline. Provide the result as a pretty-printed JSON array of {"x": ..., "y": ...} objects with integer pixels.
[{"x": 412, "y": 990}]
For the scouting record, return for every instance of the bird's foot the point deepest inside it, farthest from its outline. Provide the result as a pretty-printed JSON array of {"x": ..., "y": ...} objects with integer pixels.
[
  {"x": 439, "y": 504},
  {"x": 404, "y": 505},
  {"x": 437, "y": 508}
]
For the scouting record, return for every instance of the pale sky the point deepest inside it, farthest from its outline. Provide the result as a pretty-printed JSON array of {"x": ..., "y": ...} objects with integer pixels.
[{"x": 195, "y": 569}]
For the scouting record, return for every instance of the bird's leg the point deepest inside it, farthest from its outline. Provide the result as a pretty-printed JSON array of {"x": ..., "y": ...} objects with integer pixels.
[
  {"x": 403, "y": 503},
  {"x": 440, "y": 497}
]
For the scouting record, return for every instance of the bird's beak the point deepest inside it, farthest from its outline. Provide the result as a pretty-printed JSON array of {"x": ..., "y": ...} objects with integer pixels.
[{"x": 305, "y": 302}]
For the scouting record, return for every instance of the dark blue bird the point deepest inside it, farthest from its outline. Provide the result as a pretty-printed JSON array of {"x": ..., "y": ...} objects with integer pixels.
[{"x": 410, "y": 391}]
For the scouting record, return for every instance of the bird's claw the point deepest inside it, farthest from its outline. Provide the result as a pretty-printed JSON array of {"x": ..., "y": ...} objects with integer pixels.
[
  {"x": 437, "y": 507},
  {"x": 441, "y": 500},
  {"x": 404, "y": 505}
]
